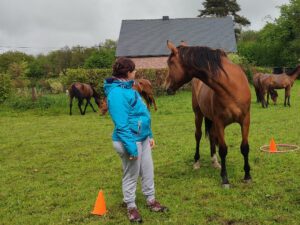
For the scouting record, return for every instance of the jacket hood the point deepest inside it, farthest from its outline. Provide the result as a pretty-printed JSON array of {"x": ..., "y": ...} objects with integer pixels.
[{"x": 111, "y": 83}]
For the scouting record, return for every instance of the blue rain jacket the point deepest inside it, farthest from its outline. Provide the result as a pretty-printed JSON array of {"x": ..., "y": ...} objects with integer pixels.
[{"x": 129, "y": 113}]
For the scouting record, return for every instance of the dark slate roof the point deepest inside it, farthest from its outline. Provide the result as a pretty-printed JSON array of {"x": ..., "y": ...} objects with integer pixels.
[{"x": 149, "y": 37}]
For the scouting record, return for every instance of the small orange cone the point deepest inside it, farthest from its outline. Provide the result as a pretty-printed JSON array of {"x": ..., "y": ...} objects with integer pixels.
[
  {"x": 273, "y": 147},
  {"x": 100, "y": 206}
]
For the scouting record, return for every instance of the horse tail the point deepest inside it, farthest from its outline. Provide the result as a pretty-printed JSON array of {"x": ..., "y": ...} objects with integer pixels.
[{"x": 208, "y": 125}]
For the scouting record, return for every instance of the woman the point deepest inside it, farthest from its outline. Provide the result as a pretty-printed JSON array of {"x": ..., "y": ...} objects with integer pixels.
[{"x": 132, "y": 136}]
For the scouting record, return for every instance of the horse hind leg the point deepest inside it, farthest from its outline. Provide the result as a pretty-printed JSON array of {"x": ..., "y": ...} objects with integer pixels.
[
  {"x": 198, "y": 135},
  {"x": 209, "y": 130},
  {"x": 214, "y": 159},
  {"x": 245, "y": 147}
]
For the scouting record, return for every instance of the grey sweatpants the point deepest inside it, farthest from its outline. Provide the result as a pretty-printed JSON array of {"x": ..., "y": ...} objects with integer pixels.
[{"x": 132, "y": 169}]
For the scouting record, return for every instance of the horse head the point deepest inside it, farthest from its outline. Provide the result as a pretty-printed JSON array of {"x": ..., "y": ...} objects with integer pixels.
[
  {"x": 177, "y": 75},
  {"x": 103, "y": 106}
]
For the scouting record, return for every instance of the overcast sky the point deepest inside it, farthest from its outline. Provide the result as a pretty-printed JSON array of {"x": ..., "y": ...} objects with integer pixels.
[{"x": 36, "y": 26}]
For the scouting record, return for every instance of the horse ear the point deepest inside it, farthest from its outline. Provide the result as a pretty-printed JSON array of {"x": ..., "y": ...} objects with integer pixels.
[
  {"x": 183, "y": 43},
  {"x": 172, "y": 47}
]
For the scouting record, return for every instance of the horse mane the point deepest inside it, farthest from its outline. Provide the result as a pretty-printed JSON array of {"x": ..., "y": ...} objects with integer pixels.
[
  {"x": 202, "y": 58},
  {"x": 293, "y": 71}
]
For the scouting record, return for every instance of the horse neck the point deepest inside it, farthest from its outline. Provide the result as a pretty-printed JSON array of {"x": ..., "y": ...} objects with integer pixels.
[
  {"x": 294, "y": 76},
  {"x": 215, "y": 82}
]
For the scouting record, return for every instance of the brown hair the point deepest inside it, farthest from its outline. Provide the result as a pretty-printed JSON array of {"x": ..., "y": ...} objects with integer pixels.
[{"x": 122, "y": 66}]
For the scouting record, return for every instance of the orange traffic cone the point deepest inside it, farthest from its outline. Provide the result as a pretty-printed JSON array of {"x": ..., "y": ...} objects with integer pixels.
[
  {"x": 273, "y": 147},
  {"x": 100, "y": 206}
]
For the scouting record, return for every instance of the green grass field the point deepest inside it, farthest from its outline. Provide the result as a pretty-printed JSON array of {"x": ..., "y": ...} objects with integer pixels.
[{"x": 52, "y": 166}]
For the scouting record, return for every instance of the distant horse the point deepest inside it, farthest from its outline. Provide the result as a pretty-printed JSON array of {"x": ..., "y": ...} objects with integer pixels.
[
  {"x": 272, "y": 92},
  {"x": 221, "y": 95},
  {"x": 83, "y": 91},
  {"x": 279, "y": 81},
  {"x": 144, "y": 87}
]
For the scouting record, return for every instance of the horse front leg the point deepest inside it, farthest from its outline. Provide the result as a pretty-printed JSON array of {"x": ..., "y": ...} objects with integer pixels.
[
  {"x": 153, "y": 100},
  {"x": 268, "y": 97},
  {"x": 79, "y": 106},
  {"x": 89, "y": 101},
  {"x": 71, "y": 101},
  {"x": 245, "y": 147},
  {"x": 198, "y": 135},
  {"x": 219, "y": 129},
  {"x": 86, "y": 104},
  {"x": 288, "y": 95}
]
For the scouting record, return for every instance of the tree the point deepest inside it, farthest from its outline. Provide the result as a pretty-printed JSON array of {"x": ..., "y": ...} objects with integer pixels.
[
  {"x": 10, "y": 57},
  {"x": 278, "y": 43},
  {"x": 35, "y": 72},
  {"x": 61, "y": 60},
  {"x": 221, "y": 8}
]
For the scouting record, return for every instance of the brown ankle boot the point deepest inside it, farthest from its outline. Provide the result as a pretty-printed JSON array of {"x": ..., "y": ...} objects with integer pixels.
[
  {"x": 134, "y": 215},
  {"x": 155, "y": 206}
]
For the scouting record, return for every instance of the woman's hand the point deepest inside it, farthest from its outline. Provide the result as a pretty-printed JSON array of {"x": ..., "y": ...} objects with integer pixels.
[
  {"x": 133, "y": 158},
  {"x": 152, "y": 143}
]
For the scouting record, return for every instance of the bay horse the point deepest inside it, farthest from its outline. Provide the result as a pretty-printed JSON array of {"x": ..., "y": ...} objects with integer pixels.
[
  {"x": 83, "y": 91},
  {"x": 220, "y": 95},
  {"x": 144, "y": 87},
  {"x": 256, "y": 80},
  {"x": 279, "y": 81}
]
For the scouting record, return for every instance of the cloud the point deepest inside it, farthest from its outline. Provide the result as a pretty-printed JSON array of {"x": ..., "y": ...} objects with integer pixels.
[{"x": 43, "y": 25}]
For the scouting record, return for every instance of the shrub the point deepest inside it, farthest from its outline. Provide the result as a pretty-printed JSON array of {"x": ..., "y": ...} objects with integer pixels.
[
  {"x": 96, "y": 77},
  {"x": 5, "y": 87}
]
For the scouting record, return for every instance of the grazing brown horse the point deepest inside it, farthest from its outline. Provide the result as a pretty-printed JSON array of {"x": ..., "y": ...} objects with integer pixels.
[
  {"x": 256, "y": 79},
  {"x": 144, "y": 87},
  {"x": 221, "y": 95},
  {"x": 83, "y": 91},
  {"x": 278, "y": 81}
]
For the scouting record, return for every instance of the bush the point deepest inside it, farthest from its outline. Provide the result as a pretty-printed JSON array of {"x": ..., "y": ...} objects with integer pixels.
[
  {"x": 96, "y": 77},
  {"x": 245, "y": 65},
  {"x": 5, "y": 87},
  {"x": 53, "y": 85}
]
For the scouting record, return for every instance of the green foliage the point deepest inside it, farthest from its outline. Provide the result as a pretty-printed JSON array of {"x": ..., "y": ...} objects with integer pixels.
[
  {"x": 35, "y": 69},
  {"x": 244, "y": 63},
  {"x": 104, "y": 58},
  {"x": 8, "y": 58},
  {"x": 278, "y": 43},
  {"x": 55, "y": 85},
  {"x": 5, "y": 87},
  {"x": 96, "y": 77}
]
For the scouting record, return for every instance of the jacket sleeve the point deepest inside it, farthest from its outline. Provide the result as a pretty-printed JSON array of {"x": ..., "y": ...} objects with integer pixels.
[{"x": 119, "y": 110}]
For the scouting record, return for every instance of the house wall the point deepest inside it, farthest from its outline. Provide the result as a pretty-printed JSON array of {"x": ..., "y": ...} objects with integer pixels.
[{"x": 150, "y": 62}]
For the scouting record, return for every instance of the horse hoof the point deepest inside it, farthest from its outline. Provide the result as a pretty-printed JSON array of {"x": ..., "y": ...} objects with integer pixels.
[
  {"x": 216, "y": 165},
  {"x": 226, "y": 186},
  {"x": 247, "y": 181},
  {"x": 196, "y": 165}
]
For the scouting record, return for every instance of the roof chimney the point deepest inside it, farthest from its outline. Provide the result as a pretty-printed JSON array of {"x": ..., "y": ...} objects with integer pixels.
[{"x": 165, "y": 18}]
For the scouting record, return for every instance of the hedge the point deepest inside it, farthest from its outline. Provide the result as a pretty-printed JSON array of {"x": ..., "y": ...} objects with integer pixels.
[{"x": 96, "y": 77}]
